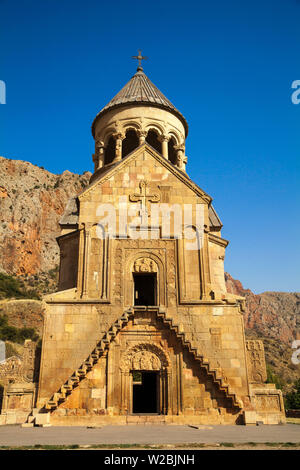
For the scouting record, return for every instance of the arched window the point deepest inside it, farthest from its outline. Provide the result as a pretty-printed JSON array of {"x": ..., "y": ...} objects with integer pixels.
[
  {"x": 130, "y": 142},
  {"x": 152, "y": 139},
  {"x": 171, "y": 151},
  {"x": 110, "y": 151}
]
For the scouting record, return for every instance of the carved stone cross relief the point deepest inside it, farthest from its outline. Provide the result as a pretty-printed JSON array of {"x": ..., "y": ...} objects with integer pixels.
[{"x": 145, "y": 198}]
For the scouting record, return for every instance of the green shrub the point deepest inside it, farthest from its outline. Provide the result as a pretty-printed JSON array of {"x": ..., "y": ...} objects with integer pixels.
[
  {"x": 274, "y": 379},
  {"x": 15, "y": 335},
  {"x": 292, "y": 399},
  {"x": 9, "y": 333},
  {"x": 11, "y": 287}
]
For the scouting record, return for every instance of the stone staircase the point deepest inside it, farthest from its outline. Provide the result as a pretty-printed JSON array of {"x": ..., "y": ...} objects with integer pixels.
[
  {"x": 203, "y": 362},
  {"x": 79, "y": 374},
  {"x": 73, "y": 381}
]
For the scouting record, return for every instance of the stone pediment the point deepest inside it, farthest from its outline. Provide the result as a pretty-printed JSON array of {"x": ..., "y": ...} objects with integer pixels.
[{"x": 139, "y": 154}]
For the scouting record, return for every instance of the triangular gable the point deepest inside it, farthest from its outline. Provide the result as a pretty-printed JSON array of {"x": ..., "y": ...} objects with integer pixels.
[{"x": 113, "y": 169}]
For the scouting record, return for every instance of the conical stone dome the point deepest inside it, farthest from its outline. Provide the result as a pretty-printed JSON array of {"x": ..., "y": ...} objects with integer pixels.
[{"x": 141, "y": 91}]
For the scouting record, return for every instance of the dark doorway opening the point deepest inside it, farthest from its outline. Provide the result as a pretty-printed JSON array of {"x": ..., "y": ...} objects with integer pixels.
[
  {"x": 144, "y": 289},
  {"x": 145, "y": 392}
]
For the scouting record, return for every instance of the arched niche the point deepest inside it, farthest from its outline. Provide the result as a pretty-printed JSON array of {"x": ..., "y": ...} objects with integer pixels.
[
  {"x": 110, "y": 150},
  {"x": 130, "y": 142},
  {"x": 152, "y": 139},
  {"x": 172, "y": 153}
]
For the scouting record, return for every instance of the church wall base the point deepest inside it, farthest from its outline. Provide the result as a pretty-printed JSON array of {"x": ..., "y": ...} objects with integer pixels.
[
  {"x": 138, "y": 420},
  {"x": 244, "y": 418}
]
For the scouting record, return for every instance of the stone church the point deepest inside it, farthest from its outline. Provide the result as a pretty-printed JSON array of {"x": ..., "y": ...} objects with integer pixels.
[{"x": 142, "y": 329}]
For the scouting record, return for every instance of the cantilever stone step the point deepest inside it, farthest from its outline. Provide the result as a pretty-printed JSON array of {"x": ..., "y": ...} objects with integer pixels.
[
  {"x": 89, "y": 363},
  {"x": 81, "y": 372},
  {"x": 51, "y": 404},
  {"x": 73, "y": 381},
  {"x": 101, "y": 347},
  {"x": 112, "y": 334},
  {"x": 95, "y": 356},
  {"x": 126, "y": 316}
]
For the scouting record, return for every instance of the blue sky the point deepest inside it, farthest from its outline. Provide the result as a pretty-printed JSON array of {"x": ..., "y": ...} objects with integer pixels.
[{"x": 228, "y": 66}]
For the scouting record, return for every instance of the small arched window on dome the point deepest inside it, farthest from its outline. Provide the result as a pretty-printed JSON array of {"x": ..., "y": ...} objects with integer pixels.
[
  {"x": 130, "y": 142},
  {"x": 110, "y": 151},
  {"x": 152, "y": 139},
  {"x": 172, "y": 154}
]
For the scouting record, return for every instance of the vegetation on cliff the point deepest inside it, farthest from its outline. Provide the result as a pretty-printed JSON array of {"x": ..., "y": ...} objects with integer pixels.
[
  {"x": 11, "y": 287},
  {"x": 292, "y": 398},
  {"x": 15, "y": 335}
]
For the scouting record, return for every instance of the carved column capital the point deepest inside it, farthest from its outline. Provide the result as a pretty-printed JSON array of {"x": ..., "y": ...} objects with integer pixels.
[
  {"x": 181, "y": 157},
  {"x": 142, "y": 134},
  {"x": 164, "y": 138}
]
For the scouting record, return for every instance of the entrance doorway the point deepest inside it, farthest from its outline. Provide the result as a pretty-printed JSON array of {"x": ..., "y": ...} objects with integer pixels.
[
  {"x": 144, "y": 289},
  {"x": 145, "y": 396}
]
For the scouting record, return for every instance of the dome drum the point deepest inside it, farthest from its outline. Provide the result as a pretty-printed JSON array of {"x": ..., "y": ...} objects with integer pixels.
[{"x": 139, "y": 114}]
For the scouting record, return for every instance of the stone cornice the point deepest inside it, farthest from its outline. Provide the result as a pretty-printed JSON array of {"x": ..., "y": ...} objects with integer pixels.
[{"x": 217, "y": 240}]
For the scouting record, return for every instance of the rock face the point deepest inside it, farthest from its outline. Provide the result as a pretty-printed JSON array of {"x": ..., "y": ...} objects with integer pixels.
[
  {"x": 32, "y": 201},
  {"x": 272, "y": 314},
  {"x": 273, "y": 317}
]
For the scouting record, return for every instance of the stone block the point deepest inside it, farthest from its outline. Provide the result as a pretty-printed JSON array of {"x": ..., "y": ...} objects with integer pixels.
[
  {"x": 42, "y": 419},
  {"x": 250, "y": 417}
]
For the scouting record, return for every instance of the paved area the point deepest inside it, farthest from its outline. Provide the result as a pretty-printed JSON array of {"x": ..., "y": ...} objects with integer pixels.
[{"x": 160, "y": 434}]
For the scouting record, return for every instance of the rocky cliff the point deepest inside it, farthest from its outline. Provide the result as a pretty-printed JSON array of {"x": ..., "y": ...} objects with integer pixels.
[
  {"x": 273, "y": 317},
  {"x": 272, "y": 314},
  {"x": 32, "y": 201}
]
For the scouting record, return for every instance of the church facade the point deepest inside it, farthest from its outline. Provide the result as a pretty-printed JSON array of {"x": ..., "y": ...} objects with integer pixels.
[{"x": 142, "y": 328}]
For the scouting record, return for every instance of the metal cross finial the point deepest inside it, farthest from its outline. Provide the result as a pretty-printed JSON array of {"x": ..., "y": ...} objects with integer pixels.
[{"x": 140, "y": 58}]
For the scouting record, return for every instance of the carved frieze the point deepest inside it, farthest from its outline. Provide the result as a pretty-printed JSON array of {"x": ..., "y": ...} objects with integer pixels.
[{"x": 144, "y": 265}]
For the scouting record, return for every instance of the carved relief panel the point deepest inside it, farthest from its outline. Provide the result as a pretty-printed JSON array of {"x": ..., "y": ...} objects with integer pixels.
[
  {"x": 21, "y": 369},
  {"x": 256, "y": 361}
]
